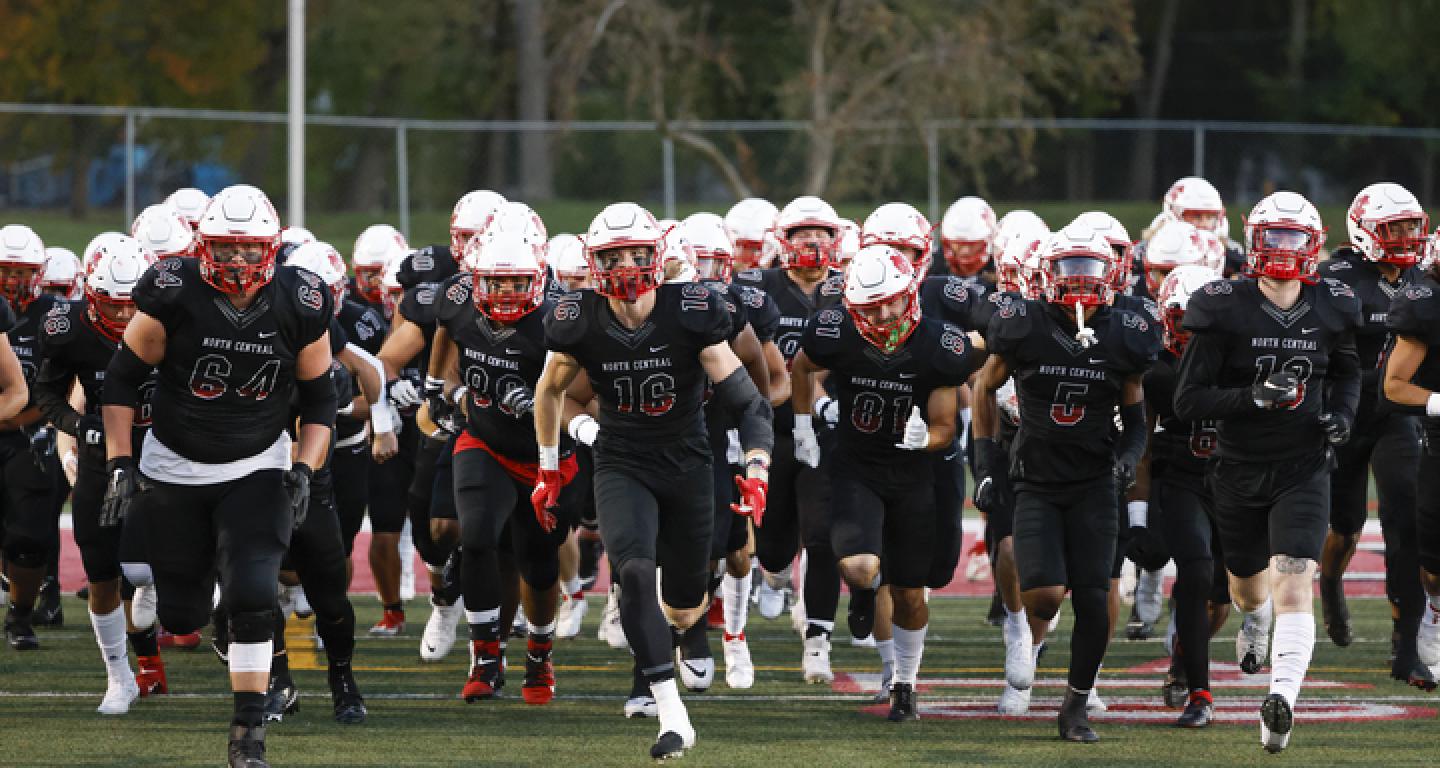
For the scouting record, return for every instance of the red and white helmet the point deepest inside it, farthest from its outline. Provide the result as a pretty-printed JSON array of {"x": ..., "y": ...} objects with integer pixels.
[
  {"x": 1387, "y": 224},
  {"x": 679, "y": 255},
  {"x": 849, "y": 244},
  {"x": 1283, "y": 237},
  {"x": 566, "y": 256},
  {"x": 324, "y": 261},
  {"x": 164, "y": 232},
  {"x": 377, "y": 246},
  {"x": 711, "y": 244},
  {"x": 520, "y": 219},
  {"x": 751, "y": 223},
  {"x": 113, "y": 265},
  {"x": 239, "y": 215},
  {"x": 63, "y": 274},
  {"x": 1019, "y": 220},
  {"x": 391, "y": 291},
  {"x": 498, "y": 261},
  {"x": 1176, "y": 244},
  {"x": 1213, "y": 244},
  {"x": 1174, "y": 296},
  {"x": 22, "y": 252},
  {"x": 1194, "y": 199},
  {"x": 1017, "y": 256},
  {"x": 1119, "y": 239},
  {"x": 625, "y": 225},
  {"x": 190, "y": 203},
  {"x": 1078, "y": 268},
  {"x": 878, "y": 275},
  {"x": 902, "y": 226},
  {"x": 469, "y": 217},
  {"x": 967, "y": 235},
  {"x": 808, "y": 212},
  {"x": 296, "y": 236}
]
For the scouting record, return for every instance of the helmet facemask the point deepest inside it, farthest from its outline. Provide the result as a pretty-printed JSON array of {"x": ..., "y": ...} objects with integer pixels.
[
  {"x": 20, "y": 283},
  {"x": 617, "y": 279},
  {"x": 1078, "y": 278},
  {"x": 1284, "y": 251},
  {"x": 1402, "y": 241},
  {"x": 887, "y": 323},
  {"x": 109, "y": 315},
  {"x": 506, "y": 296},
  {"x": 235, "y": 265},
  {"x": 809, "y": 246},
  {"x": 966, "y": 257}
]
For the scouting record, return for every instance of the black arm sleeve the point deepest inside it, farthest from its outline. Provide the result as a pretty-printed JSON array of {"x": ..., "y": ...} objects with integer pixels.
[
  {"x": 124, "y": 377},
  {"x": 1196, "y": 396},
  {"x": 1343, "y": 377},
  {"x": 738, "y": 395},
  {"x": 51, "y": 393},
  {"x": 317, "y": 400},
  {"x": 1133, "y": 434}
]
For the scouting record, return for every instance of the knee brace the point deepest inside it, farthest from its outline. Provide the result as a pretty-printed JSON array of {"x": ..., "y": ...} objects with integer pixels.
[
  {"x": 138, "y": 574},
  {"x": 252, "y": 626}
]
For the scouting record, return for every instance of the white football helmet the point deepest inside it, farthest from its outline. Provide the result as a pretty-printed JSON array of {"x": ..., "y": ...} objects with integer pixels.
[
  {"x": 625, "y": 225},
  {"x": 22, "y": 260},
  {"x": 566, "y": 256},
  {"x": 520, "y": 219},
  {"x": 296, "y": 236},
  {"x": 1017, "y": 257},
  {"x": 1174, "y": 295},
  {"x": 808, "y": 212},
  {"x": 240, "y": 215},
  {"x": 63, "y": 275},
  {"x": 1213, "y": 246},
  {"x": 377, "y": 246},
  {"x": 878, "y": 275},
  {"x": 469, "y": 217},
  {"x": 325, "y": 262},
  {"x": 902, "y": 226},
  {"x": 1195, "y": 200},
  {"x": 679, "y": 255},
  {"x": 1176, "y": 244},
  {"x": 391, "y": 291},
  {"x": 164, "y": 232},
  {"x": 113, "y": 265},
  {"x": 1019, "y": 220},
  {"x": 190, "y": 203},
  {"x": 1387, "y": 224},
  {"x": 967, "y": 235},
  {"x": 1283, "y": 237},
  {"x": 1078, "y": 268},
  {"x": 1119, "y": 239},
  {"x": 507, "y": 269},
  {"x": 710, "y": 242},
  {"x": 751, "y": 223},
  {"x": 849, "y": 244}
]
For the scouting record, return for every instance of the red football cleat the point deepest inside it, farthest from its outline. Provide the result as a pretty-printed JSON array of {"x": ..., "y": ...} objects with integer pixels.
[
  {"x": 484, "y": 679},
  {"x": 391, "y": 623},
  {"x": 151, "y": 677},
  {"x": 539, "y": 685},
  {"x": 715, "y": 618},
  {"x": 188, "y": 642}
]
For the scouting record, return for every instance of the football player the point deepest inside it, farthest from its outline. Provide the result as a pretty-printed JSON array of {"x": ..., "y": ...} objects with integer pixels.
[
  {"x": 751, "y": 224},
  {"x": 648, "y": 350},
  {"x": 1195, "y": 201},
  {"x": 896, "y": 379},
  {"x": 233, "y": 336},
  {"x": 967, "y": 239},
  {"x": 1076, "y": 360},
  {"x": 64, "y": 275},
  {"x": 1388, "y": 231},
  {"x": 1272, "y": 359},
  {"x": 190, "y": 203},
  {"x": 164, "y": 232}
]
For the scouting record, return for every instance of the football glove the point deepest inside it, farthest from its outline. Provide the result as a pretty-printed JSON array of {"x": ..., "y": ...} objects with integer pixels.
[
  {"x": 988, "y": 460},
  {"x": 752, "y": 498},
  {"x": 807, "y": 448},
  {"x": 1337, "y": 428},
  {"x": 119, "y": 492},
  {"x": 1124, "y": 475},
  {"x": 1279, "y": 390},
  {"x": 584, "y": 429},
  {"x": 546, "y": 497},
  {"x": 90, "y": 430},
  {"x": 518, "y": 402},
  {"x": 297, "y": 487},
  {"x": 403, "y": 394},
  {"x": 917, "y": 432},
  {"x": 828, "y": 409}
]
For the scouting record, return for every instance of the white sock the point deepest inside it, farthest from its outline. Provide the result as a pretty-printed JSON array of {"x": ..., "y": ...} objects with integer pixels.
[
  {"x": 110, "y": 636},
  {"x": 909, "y": 647},
  {"x": 571, "y": 586},
  {"x": 1016, "y": 620},
  {"x": 1290, "y": 653},
  {"x": 673, "y": 716},
  {"x": 736, "y": 593},
  {"x": 886, "y": 649},
  {"x": 1265, "y": 614},
  {"x": 541, "y": 629},
  {"x": 482, "y": 617}
]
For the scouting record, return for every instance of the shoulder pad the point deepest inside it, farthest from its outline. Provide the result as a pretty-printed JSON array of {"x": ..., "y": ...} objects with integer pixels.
[
  {"x": 1207, "y": 306},
  {"x": 752, "y": 297},
  {"x": 161, "y": 286},
  {"x": 1009, "y": 325},
  {"x": 433, "y": 263},
  {"x": 1414, "y": 311},
  {"x": 454, "y": 295},
  {"x": 955, "y": 359},
  {"x": 762, "y": 312},
  {"x": 1142, "y": 339},
  {"x": 61, "y": 320},
  {"x": 565, "y": 322},
  {"x": 823, "y": 340},
  {"x": 338, "y": 337},
  {"x": 307, "y": 291},
  {"x": 703, "y": 313},
  {"x": 1338, "y": 288},
  {"x": 418, "y": 305},
  {"x": 833, "y": 285},
  {"x": 755, "y": 276},
  {"x": 1334, "y": 264}
]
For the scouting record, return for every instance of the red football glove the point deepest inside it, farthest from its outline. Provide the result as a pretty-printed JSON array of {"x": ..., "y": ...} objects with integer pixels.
[
  {"x": 752, "y": 498},
  {"x": 546, "y": 497}
]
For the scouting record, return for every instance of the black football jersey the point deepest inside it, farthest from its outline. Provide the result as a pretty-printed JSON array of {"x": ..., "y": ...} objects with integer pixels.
[
  {"x": 960, "y": 301},
  {"x": 1240, "y": 338},
  {"x": 225, "y": 383},
  {"x": 760, "y": 310},
  {"x": 794, "y": 305},
  {"x": 25, "y": 330},
  {"x": 1416, "y": 313},
  {"x": 1068, "y": 393},
  {"x": 495, "y": 359},
  {"x": 1375, "y": 294},
  {"x": 729, "y": 295},
  {"x": 364, "y": 325},
  {"x": 555, "y": 289},
  {"x": 1179, "y": 449},
  {"x": 649, "y": 380},
  {"x": 72, "y": 350},
  {"x": 422, "y": 274},
  {"x": 877, "y": 391}
]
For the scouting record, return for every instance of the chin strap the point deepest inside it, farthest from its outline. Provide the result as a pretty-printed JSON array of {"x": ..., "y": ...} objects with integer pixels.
[{"x": 1086, "y": 336}]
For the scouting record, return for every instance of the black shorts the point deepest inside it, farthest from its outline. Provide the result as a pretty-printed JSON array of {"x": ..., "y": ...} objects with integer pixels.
[
  {"x": 27, "y": 500},
  {"x": 442, "y": 484},
  {"x": 731, "y": 531},
  {"x": 887, "y": 511},
  {"x": 1181, "y": 512},
  {"x": 949, "y": 484},
  {"x": 1000, "y": 522},
  {"x": 350, "y": 467},
  {"x": 1270, "y": 508},
  {"x": 1390, "y": 446},
  {"x": 1427, "y": 523},
  {"x": 658, "y": 506},
  {"x": 797, "y": 507},
  {"x": 99, "y": 547},
  {"x": 585, "y": 486},
  {"x": 390, "y": 482},
  {"x": 489, "y": 500},
  {"x": 1066, "y": 536}
]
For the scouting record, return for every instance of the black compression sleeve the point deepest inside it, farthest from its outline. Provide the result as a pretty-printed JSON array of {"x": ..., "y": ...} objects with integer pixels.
[
  {"x": 738, "y": 395},
  {"x": 52, "y": 398},
  {"x": 1197, "y": 394},
  {"x": 1132, "y": 437},
  {"x": 124, "y": 377},
  {"x": 1343, "y": 376},
  {"x": 318, "y": 400}
]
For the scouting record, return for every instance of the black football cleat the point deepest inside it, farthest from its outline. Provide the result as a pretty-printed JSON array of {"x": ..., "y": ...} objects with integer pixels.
[
  {"x": 48, "y": 610},
  {"x": 1198, "y": 712},
  {"x": 19, "y": 633},
  {"x": 1415, "y": 673},
  {"x": 1075, "y": 720},
  {"x": 345, "y": 694},
  {"x": 1137, "y": 628},
  {"x": 996, "y": 615},
  {"x": 283, "y": 699},
  {"x": 1276, "y": 720},
  {"x": 1175, "y": 690},
  {"x": 1336, "y": 612},
  {"x": 902, "y": 703},
  {"x": 861, "y": 616},
  {"x": 247, "y": 747},
  {"x": 669, "y": 746}
]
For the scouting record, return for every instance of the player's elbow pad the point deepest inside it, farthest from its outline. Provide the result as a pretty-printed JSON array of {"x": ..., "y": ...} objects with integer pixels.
[
  {"x": 318, "y": 400},
  {"x": 738, "y": 395},
  {"x": 124, "y": 377},
  {"x": 1132, "y": 441}
]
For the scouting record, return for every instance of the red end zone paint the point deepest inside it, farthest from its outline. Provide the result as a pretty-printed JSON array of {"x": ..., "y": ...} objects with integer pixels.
[{"x": 1232, "y": 711}]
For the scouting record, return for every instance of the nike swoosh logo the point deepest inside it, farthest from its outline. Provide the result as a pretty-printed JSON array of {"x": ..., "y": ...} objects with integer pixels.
[
  {"x": 267, "y": 335},
  {"x": 24, "y": 338},
  {"x": 698, "y": 672},
  {"x": 1309, "y": 330},
  {"x": 1093, "y": 361},
  {"x": 660, "y": 348},
  {"x": 908, "y": 375},
  {"x": 512, "y": 351}
]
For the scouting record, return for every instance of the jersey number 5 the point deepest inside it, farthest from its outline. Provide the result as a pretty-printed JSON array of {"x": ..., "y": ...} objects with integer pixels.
[{"x": 1069, "y": 410}]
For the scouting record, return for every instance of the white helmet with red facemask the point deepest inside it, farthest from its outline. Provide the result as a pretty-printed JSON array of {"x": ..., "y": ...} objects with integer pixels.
[
  {"x": 849, "y": 243},
  {"x": 22, "y": 260},
  {"x": 1175, "y": 244},
  {"x": 625, "y": 226},
  {"x": 1077, "y": 268},
  {"x": 1283, "y": 237},
  {"x": 967, "y": 235},
  {"x": 376, "y": 247},
  {"x": 1017, "y": 257},
  {"x": 1119, "y": 239},
  {"x": 1174, "y": 296},
  {"x": 469, "y": 217},
  {"x": 1195, "y": 200},
  {"x": 808, "y": 252},
  {"x": 391, "y": 291},
  {"x": 902, "y": 226},
  {"x": 751, "y": 223},
  {"x": 190, "y": 203},
  {"x": 324, "y": 261},
  {"x": 164, "y": 232},
  {"x": 881, "y": 288},
  {"x": 113, "y": 266},
  {"x": 711, "y": 244},
  {"x": 239, "y": 236},
  {"x": 506, "y": 263},
  {"x": 1387, "y": 224},
  {"x": 565, "y": 255},
  {"x": 64, "y": 274},
  {"x": 679, "y": 255}
]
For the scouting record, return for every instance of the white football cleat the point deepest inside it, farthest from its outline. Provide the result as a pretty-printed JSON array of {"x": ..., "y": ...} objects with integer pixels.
[
  {"x": 572, "y": 612},
  {"x": 1252, "y": 644},
  {"x": 1427, "y": 640},
  {"x": 769, "y": 601},
  {"x": 142, "y": 607},
  {"x": 1019, "y": 656},
  {"x": 697, "y": 675},
  {"x": 302, "y": 604},
  {"x": 816, "y": 661},
  {"x": 797, "y": 613},
  {"x": 1094, "y": 704},
  {"x": 610, "y": 629},
  {"x": 1013, "y": 703},
  {"x": 642, "y": 706},
  {"x": 867, "y": 641},
  {"x": 739, "y": 669},
  {"x": 1149, "y": 595},
  {"x": 887, "y": 676},
  {"x": 119, "y": 695},
  {"x": 439, "y": 635}
]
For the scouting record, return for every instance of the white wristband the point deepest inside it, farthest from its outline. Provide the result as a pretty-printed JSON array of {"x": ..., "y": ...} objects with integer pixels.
[
  {"x": 802, "y": 422},
  {"x": 1432, "y": 404},
  {"x": 550, "y": 457},
  {"x": 380, "y": 417},
  {"x": 1138, "y": 512}
]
